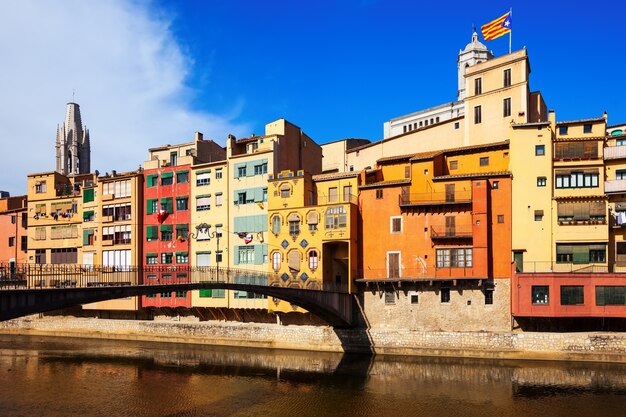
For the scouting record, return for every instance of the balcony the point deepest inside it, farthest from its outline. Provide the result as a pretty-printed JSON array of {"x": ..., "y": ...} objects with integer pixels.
[
  {"x": 435, "y": 198},
  {"x": 615, "y": 186},
  {"x": 447, "y": 232},
  {"x": 614, "y": 152}
]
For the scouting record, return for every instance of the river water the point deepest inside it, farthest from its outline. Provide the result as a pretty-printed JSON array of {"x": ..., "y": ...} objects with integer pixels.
[{"x": 43, "y": 376}]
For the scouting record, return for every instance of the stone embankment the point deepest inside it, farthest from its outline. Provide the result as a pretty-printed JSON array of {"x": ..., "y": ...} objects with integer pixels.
[{"x": 596, "y": 346}]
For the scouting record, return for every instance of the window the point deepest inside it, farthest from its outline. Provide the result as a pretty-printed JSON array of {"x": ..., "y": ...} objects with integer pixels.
[
  {"x": 294, "y": 225},
  {"x": 347, "y": 190},
  {"x": 218, "y": 174},
  {"x": 477, "y": 115},
  {"x": 336, "y": 217},
  {"x": 166, "y": 295},
  {"x": 167, "y": 178},
  {"x": 414, "y": 299},
  {"x": 620, "y": 174},
  {"x": 333, "y": 195},
  {"x": 445, "y": 295},
  {"x": 64, "y": 256},
  {"x": 152, "y": 233},
  {"x": 478, "y": 86},
  {"x": 182, "y": 231},
  {"x": 182, "y": 257},
  {"x": 13, "y": 219},
  {"x": 285, "y": 190},
  {"x": 396, "y": 224},
  {"x": 166, "y": 205},
  {"x": 241, "y": 198},
  {"x": 587, "y": 128},
  {"x": 24, "y": 242},
  {"x": 620, "y": 142},
  {"x": 152, "y": 206},
  {"x": 390, "y": 297},
  {"x": 379, "y": 194},
  {"x": 457, "y": 125},
  {"x": 540, "y": 150},
  {"x": 580, "y": 253},
  {"x": 203, "y": 202},
  {"x": 166, "y": 232},
  {"x": 541, "y": 181},
  {"x": 454, "y": 165},
  {"x": 581, "y": 149},
  {"x": 562, "y": 130},
  {"x": 577, "y": 180},
  {"x": 313, "y": 260},
  {"x": 540, "y": 294},
  {"x": 495, "y": 185},
  {"x": 506, "y": 107},
  {"x": 88, "y": 195},
  {"x": 203, "y": 178},
  {"x": 182, "y": 203},
  {"x": 488, "y": 296},
  {"x": 276, "y": 224},
  {"x": 173, "y": 158},
  {"x": 454, "y": 258},
  {"x": 276, "y": 258},
  {"x": 572, "y": 295},
  {"x": 538, "y": 215},
  {"x": 484, "y": 161},
  {"x": 260, "y": 169},
  {"x": 166, "y": 258},
  {"x": 11, "y": 241},
  {"x": 218, "y": 199},
  {"x": 152, "y": 259},
  {"x": 182, "y": 177},
  {"x": 40, "y": 187},
  {"x": 581, "y": 211},
  {"x": 241, "y": 171},
  {"x": 507, "y": 78},
  {"x": 500, "y": 218},
  {"x": 245, "y": 254},
  {"x": 181, "y": 294},
  {"x": 610, "y": 295}
]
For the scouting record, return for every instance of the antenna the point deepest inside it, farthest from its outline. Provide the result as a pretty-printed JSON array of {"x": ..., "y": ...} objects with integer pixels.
[{"x": 73, "y": 95}]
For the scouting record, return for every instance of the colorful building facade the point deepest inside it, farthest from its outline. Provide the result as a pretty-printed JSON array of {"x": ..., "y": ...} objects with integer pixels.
[{"x": 14, "y": 230}]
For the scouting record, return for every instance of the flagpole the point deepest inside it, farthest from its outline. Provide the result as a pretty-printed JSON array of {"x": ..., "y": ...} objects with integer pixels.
[{"x": 510, "y": 31}]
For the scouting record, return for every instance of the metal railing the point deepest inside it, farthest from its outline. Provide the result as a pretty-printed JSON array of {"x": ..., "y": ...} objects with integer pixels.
[
  {"x": 446, "y": 232},
  {"x": 552, "y": 266},
  {"x": 458, "y": 197},
  {"x": 428, "y": 272},
  {"x": 40, "y": 276}
]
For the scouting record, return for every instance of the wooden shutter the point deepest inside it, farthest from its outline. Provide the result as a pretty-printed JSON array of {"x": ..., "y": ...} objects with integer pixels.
[
  {"x": 393, "y": 262},
  {"x": 450, "y": 226},
  {"x": 449, "y": 193}
]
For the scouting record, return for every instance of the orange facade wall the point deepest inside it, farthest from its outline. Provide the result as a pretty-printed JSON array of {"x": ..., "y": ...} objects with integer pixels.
[{"x": 13, "y": 237}]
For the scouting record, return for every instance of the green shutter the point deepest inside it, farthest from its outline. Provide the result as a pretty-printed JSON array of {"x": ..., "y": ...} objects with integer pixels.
[
  {"x": 581, "y": 254},
  {"x": 149, "y": 204},
  {"x": 182, "y": 172},
  {"x": 87, "y": 214},
  {"x": 86, "y": 234},
  {"x": 88, "y": 195},
  {"x": 168, "y": 204},
  {"x": 258, "y": 254},
  {"x": 167, "y": 175},
  {"x": 166, "y": 227},
  {"x": 182, "y": 253},
  {"x": 152, "y": 232},
  {"x": 152, "y": 180},
  {"x": 204, "y": 171},
  {"x": 208, "y": 293},
  {"x": 258, "y": 195}
]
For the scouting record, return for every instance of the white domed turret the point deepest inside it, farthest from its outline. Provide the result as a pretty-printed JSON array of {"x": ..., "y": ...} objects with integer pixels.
[{"x": 474, "y": 53}]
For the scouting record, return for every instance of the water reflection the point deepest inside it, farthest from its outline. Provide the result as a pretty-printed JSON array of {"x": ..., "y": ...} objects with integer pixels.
[{"x": 50, "y": 376}]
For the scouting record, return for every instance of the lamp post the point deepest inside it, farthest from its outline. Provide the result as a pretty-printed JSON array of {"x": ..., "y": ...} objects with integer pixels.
[{"x": 203, "y": 229}]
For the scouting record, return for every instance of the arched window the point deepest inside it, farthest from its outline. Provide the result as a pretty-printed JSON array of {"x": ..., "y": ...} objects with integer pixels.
[
  {"x": 313, "y": 260},
  {"x": 276, "y": 224},
  {"x": 276, "y": 261},
  {"x": 294, "y": 224},
  {"x": 285, "y": 190}
]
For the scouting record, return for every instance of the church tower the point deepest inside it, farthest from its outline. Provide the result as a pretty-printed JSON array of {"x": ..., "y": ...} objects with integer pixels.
[
  {"x": 72, "y": 145},
  {"x": 474, "y": 53}
]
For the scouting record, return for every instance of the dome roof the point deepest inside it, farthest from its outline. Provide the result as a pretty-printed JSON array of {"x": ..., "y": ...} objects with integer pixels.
[{"x": 475, "y": 44}]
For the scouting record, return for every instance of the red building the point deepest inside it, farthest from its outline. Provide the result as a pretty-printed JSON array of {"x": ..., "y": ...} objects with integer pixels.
[
  {"x": 167, "y": 217},
  {"x": 13, "y": 230}
]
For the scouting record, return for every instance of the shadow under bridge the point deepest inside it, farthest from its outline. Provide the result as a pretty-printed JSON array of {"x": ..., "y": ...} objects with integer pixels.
[{"x": 31, "y": 289}]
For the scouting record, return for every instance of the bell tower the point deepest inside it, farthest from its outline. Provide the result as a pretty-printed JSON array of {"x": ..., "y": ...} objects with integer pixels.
[
  {"x": 73, "y": 151},
  {"x": 474, "y": 53}
]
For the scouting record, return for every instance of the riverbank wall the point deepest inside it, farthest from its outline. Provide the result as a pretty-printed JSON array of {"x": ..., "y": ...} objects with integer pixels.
[{"x": 583, "y": 346}]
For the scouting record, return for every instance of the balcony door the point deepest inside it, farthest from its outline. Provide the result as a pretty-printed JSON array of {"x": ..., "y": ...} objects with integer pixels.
[
  {"x": 393, "y": 264},
  {"x": 449, "y": 193}
]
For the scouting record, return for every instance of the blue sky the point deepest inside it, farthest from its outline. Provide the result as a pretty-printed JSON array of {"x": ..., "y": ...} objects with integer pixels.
[{"x": 151, "y": 72}]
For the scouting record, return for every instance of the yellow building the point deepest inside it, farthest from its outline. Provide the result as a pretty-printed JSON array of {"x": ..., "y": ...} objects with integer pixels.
[
  {"x": 209, "y": 216},
  {"x": 615, "y": 190},
  {"x": 250, "y": 162},
  {"x": 112, "y": 230},
  {"x": 55, "y": 217},
  {"x": 312, "y": 232}
]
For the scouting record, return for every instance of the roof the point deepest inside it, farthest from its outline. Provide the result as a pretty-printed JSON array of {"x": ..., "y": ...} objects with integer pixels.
[
  {"x": 252, "y": 138},
  {"x": 387, "y": 183},
  {"x": 396, "y": 158},
  {"x": 567, "y": 139},
  {"x": 485, "y": 146},
  {"x": 533, "y": 124},
  {"x": 568, "y": 122},
  {"x": 348, "y": 140},
  {"x": 168, "y": 146},
  {"x": 335, "y": 176},
  {"x": 473, "y": 175}
]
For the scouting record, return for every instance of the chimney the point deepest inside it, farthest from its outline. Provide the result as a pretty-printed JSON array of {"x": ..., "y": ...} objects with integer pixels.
[{"x": 199, "y": 136}]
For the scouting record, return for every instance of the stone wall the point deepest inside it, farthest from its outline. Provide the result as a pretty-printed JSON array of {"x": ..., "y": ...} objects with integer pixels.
[
  {"x": 607, "y": 347},
  {"x": 466, "y": 311}
]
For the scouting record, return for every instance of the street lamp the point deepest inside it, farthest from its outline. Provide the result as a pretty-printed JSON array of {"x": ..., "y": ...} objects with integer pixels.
[{"x": 203, "y": 229}]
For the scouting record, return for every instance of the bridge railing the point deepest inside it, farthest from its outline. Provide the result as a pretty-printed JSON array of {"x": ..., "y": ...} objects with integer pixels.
[{"x": 39, "y": 276}]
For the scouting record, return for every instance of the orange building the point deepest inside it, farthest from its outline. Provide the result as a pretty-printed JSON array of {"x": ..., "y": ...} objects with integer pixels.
[
  {"x": 437, "y": 233},
  {"x": 13, "y": 230}
]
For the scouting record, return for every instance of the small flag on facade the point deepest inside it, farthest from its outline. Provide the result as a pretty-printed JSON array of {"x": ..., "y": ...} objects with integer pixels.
[{"x": 497, "y": 28}]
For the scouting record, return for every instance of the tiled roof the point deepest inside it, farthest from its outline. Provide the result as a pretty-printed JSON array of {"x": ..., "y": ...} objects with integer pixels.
[
  {"x": 569, "y": 122},
  {"x": 385, "y": 183},
  {"x": 474, "y": 175},
  {"x": 335, "y": 176},
  {"x": 252, "y": 138},
  {"x": 567, "y": 139},
  {"x": 396, "y": 158},
  {"x": 531, "y": 124}
]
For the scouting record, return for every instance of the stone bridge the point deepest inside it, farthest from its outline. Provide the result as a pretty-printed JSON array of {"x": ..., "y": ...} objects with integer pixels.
[{"x": 31, "y": 289}]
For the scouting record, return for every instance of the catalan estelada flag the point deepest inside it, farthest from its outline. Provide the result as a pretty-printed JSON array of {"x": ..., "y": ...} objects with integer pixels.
[{"x": 497, "y": 28}]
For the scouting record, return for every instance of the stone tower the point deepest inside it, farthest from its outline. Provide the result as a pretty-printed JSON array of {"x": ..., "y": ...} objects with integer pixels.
[
  {"x": 474, "y": 53},
  {"x": 72, "y": 146}
]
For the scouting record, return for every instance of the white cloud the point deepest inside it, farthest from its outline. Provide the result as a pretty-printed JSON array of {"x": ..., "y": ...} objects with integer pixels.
[{"x": 129, "y": 74}]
